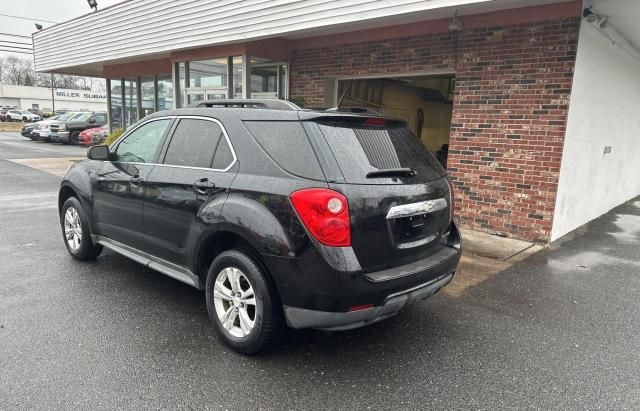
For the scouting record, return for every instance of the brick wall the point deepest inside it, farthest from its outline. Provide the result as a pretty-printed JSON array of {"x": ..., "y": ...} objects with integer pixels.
[{"x": 509, "y": 114}]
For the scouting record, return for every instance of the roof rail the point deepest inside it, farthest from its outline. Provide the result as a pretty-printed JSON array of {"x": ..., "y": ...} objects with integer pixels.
[{"x": 263, "y": 103}]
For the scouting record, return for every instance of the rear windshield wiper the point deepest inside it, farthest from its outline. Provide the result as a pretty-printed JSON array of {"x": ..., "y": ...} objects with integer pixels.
[{"x": 392, "y": 172}]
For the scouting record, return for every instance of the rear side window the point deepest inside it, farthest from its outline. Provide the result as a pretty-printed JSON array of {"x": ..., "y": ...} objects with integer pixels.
[
  {"x": 194, "y": 143},
  {"x": 223, "y": 157},
  {"x": 360, "y": 149},
  {"x": 287, "y": 144}
]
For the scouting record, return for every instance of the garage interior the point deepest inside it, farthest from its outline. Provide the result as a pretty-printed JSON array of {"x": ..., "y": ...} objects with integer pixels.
[{"x": 424, "y": 102}]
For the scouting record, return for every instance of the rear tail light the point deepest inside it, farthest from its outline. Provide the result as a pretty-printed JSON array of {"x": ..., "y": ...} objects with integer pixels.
[
  {"x": 360, "y": 307},
  {"x": 377, "y": 122},
  {"x": 325, "y": 213}
]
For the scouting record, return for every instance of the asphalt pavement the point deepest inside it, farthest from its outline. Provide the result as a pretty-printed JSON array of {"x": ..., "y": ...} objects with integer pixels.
[{"x": 558, "y": 330}]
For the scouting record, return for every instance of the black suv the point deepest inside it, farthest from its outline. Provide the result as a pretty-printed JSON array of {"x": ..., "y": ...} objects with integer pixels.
[
  {"x": 67, "y": 132},
  {"x": 317, "y": 219}
]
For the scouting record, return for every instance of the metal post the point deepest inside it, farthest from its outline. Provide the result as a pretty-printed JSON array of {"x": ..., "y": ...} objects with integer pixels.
[
  {"x": 139, "y": 98},
  {"x": 109, "y": 108},
  {"x": 246, "y": 77},
  {"x": 230, "y": 79},
  {"x": 155, "y": 94},
  {"x": 53, "y": 96},
  {"x": 123, "y": 105}
]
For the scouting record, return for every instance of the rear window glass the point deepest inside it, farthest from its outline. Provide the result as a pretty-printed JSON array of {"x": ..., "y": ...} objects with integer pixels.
[
  {"x": 287, "y": 144},
  {"x": 360, "y": 149}
]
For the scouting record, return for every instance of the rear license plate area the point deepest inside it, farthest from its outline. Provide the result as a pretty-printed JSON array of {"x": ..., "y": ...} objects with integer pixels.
[{"x": 413, "y": 231}]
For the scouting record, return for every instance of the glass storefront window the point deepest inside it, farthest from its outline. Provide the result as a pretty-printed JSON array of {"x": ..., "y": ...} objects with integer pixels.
[
  {"x": 212, "y": 79},
  {"x": 147, "y": 95},
  {"x": 208, "y": 73},
  {"x": 237, "y": 76},
  {"x": 268, "y": 80},
  {"x": 116, "y": 103},
  {"x": 130, "y": 102},
  {"x": 165, "y": 93}
]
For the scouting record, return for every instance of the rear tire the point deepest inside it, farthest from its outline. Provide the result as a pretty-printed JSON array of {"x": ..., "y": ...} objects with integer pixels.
[
  {"x": 245, "y": 327},
  {"x": 75, "y": 231}
]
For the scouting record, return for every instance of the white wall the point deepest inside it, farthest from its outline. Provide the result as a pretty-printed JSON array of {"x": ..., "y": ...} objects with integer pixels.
[
  {"x": 604, "y": 111},
  {"x": 132, "y": 29},
  {"x": 25, "y": 96}
]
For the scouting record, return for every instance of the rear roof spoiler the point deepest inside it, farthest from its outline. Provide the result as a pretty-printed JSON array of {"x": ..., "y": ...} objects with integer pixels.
[{"x": 353, "y": 110}]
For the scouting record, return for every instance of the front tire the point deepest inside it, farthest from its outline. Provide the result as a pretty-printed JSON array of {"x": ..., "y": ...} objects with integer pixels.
[
  {"x": 75, "y": 231},
  {"x": 73, "y": 137},
  {"x": 243, "y": 306}
]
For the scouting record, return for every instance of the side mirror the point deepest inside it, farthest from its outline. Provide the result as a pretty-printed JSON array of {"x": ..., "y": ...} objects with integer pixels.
[
  {"x": 100, "y": 153},
  {"x": 92, "y": 121}
]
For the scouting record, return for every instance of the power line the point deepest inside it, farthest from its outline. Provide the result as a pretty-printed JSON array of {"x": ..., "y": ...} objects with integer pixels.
[
  {"x": 27, "y": 18},
  {"x": 15, "y": 42},
  {"x": 16, "y": 47},
  {"x": 15, "y": 51},
  {"x": 15, "y": 35}
]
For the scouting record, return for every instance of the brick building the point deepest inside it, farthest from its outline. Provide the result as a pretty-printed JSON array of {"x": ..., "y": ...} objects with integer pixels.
[{"x": 502, "y": 88}]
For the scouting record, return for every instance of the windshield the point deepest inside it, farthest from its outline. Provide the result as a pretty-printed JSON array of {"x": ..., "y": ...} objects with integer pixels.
[
  {"x": 81, "y": 117},
  {"x": 66, "y": 116}
]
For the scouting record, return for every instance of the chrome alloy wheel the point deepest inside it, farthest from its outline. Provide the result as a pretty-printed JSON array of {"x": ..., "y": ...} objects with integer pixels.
[
  {"x": 235, "y": 302},
  {"x": 73, "y": 229}
]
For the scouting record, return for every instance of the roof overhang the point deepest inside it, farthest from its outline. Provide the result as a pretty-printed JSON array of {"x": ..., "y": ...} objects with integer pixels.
[
  {"x": 621, "y": 24},
  {"x": 164, "y": 30}
]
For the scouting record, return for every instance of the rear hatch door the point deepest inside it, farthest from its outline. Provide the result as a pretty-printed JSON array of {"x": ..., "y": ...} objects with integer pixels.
[{"x": 399, "y": 198}]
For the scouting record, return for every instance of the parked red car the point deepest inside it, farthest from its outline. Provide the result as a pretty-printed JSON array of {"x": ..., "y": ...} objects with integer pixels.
[{"x": 93, "y": 136}]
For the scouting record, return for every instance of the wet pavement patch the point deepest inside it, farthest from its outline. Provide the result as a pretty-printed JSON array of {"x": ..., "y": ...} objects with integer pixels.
[{"x": 55, "y": 166}]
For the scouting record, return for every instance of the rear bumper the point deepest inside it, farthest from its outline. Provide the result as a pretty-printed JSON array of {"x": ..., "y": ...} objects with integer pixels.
[
  {"x": 316, "y": 293},
  {"x": 338, "y": 321}
]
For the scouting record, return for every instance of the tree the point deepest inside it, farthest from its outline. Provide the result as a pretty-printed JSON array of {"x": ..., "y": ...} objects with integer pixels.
[{"x": 20, "y": 72}]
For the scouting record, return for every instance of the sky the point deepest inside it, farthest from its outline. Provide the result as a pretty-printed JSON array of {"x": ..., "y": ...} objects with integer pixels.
[{"x": 42, "y": 12}]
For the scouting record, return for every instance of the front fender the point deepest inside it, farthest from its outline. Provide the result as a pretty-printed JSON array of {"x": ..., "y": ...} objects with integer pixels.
[{"x": 79, "y": 179}]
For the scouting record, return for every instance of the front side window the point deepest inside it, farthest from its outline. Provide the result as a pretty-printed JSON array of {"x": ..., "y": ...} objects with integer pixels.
[
  {"x": 142, "y": 144},
  {"x": 194, "y": 143}
]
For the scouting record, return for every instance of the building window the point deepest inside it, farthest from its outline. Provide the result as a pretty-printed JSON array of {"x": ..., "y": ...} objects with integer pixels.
[
  {"x": 181, "y": 83},
  {"x": 223, "y": 78},
  {"x": 130, "y": 101},
  {"x": 165, "y": 93},
  {"x": 207, "y": 80},
  {"x": 115, "y": 98},
  {"x": 237, "y": 76},
  {"x": 208, "y": 73},
  {"x": 147, "y": 95},
  {"x": 268, "y": 80}
]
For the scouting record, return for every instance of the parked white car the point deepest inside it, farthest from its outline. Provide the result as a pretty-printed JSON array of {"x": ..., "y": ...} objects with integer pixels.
[{"x": 22, "y": 115}]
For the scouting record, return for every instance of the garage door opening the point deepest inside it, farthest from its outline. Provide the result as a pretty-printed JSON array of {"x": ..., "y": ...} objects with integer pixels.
[{"x": 424, "y": 102}]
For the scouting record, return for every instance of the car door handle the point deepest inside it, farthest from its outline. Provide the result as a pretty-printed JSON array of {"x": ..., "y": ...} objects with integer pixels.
[
  {"x": 136, "y": 181},
  {"x": 203, "y": 185}
]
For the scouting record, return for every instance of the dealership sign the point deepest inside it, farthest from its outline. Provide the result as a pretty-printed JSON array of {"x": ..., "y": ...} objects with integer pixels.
[{"x": 81, "y": 95}]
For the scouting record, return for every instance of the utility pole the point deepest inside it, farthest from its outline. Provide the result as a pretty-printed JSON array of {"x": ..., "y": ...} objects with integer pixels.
[{"x": 53, "y": 97}]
